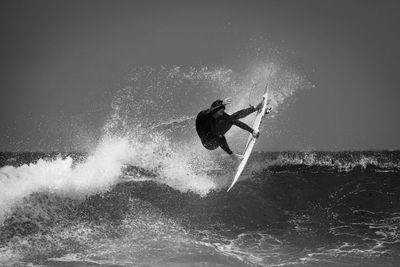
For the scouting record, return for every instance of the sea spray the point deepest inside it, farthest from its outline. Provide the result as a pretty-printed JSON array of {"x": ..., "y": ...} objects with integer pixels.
[
  {"x": 152, "y": 126},
  {"x": 162, "y": 103},
  {"x": 101, "y": 170},
  {"x": 61, "y": 176},
  {"x": 154, "y": 96}
]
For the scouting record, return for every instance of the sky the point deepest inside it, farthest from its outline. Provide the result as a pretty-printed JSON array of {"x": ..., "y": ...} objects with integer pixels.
[{"x": 63, "y": 61}]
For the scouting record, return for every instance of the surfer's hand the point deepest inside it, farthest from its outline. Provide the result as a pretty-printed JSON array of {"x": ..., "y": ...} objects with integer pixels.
[
  {"x": 268, "y": 110},
  {"x": 255, "y": 133},
  {"x": 226, "y": 101}
]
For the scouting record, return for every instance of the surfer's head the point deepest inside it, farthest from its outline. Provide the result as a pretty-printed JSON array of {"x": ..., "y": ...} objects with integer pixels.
[{"x": 219, "y": 106}]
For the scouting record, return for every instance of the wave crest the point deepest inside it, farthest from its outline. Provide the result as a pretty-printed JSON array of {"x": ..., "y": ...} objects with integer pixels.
[{"x": 333, "y": 161}]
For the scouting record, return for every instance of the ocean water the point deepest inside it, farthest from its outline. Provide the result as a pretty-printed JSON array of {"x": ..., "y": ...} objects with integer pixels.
[
  {"x": 146, "y": 193},
  {"x": 291, "y": 209}
]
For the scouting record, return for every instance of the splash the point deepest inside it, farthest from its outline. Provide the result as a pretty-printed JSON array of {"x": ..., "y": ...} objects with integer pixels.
[
  {"x": 61, "y": 176},
  {"x": 103, "y": 169},
  {"x": 151, "y": 126},
  {"x": 154, "y": 97},
  {"x": 157, "y": 108}
]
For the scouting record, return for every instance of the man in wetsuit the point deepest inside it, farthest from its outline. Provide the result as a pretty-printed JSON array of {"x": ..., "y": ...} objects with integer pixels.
[{"x": 213, "y": 123}]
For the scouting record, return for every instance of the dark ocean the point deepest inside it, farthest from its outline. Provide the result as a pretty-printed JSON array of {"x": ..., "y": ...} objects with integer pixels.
[{"x": 290, "y": 209}]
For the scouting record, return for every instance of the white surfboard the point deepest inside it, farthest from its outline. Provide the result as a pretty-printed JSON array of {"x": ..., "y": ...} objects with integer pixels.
[{"x": 251, "y": 140}]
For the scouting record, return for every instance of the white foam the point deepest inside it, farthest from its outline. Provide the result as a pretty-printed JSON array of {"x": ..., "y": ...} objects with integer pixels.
[
  {"x": 61, "y": 176},
  {"x": 176, "y": 166},
  {"x": 129, "y": 136},
  {"x": 102, "y": 169}
]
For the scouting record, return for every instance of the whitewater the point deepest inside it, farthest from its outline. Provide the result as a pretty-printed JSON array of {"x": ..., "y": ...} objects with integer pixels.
[
  {"x": 147, "y": 127},
  {"x": 148, "y": 194}
]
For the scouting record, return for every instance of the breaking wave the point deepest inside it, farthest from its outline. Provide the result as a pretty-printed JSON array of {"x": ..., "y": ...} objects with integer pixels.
[{"x": 150, "y": 127}]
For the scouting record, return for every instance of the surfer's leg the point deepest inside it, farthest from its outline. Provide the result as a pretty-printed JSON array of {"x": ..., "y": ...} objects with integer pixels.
[
  {"x": 211, "y": 144},
  {"x": 224, "y": 145},
  {"x": 243, "y": 113}
]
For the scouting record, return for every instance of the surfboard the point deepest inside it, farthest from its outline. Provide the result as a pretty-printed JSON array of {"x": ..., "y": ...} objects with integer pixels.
[{"x": 251, "y": 140}]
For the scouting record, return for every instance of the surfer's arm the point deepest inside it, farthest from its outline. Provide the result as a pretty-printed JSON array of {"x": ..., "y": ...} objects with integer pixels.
[
  {"x": 243, "y": 113},
  {"x": 242, "y": 125}
]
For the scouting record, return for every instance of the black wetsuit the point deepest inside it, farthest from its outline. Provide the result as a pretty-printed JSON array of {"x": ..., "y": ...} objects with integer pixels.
[{"x": 211, "y": 131}]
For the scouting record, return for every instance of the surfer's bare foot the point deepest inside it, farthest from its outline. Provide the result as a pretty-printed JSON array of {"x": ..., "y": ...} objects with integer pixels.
[
  {"x": 239, "y": 156},
  {"x": 236, "y": 157}
]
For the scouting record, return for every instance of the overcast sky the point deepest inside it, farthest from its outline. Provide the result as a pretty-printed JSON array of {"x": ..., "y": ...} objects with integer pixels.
[{"x": 62, "y": 59}]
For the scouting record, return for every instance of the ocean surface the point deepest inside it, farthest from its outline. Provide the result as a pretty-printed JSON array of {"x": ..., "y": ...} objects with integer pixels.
[
  {"x": 146, "y": 193},
  {"x": 290, "y": 209}
]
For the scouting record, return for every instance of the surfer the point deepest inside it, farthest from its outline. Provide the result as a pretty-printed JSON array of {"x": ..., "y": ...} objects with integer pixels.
[{"x": 213, "y": 123}]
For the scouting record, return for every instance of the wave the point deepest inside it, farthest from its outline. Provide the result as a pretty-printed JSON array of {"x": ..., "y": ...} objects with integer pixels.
[
  {"x": 56, "y": 206},
  {"x": 115, "y": 160},
  {"x": 63, "y": 176},
  {"x": 156, "y": 217},
  {"x": 148, "y": 218},
  {"x": 347, "y": 161}
]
